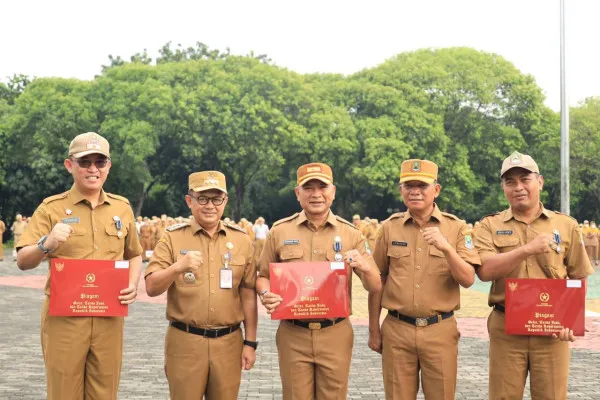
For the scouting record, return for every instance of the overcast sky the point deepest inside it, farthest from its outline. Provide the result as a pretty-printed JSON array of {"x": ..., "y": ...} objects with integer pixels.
[{"x": 73, "y": 38}]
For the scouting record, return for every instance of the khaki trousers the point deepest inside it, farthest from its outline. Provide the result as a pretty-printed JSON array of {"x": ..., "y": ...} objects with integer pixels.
[
  {"x": 82, "y": 356},
  {"x": 259, "y": 244},
  {"x": 196, "y": 366},
  {"x": 315, "y": 364},
  {"x": 408, "y": 349},
  {"x": 512, "y": 356}
]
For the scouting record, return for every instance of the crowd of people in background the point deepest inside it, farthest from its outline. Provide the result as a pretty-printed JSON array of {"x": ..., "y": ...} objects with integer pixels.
[{"x": 152, "y": 228}]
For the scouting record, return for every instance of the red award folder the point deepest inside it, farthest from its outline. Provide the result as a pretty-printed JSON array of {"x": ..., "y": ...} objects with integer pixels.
[
  {"x": 310, "y": 290},
  {"x": 87, "y": 288},
  {"x": 541, "y": 307}
]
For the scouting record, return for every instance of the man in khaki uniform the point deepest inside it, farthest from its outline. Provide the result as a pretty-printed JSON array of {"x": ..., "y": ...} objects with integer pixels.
[
  {"x": 527, "y": 241},
  {"x": 17, "y": 228},
  {"x": 2, "y": 230},
  {"x": 423, "y": 255},
  {"x": 314, "y": 355},
  {"x": 146, "y": 240},
  {"x": 208, "y": 269},
  {"x": 83, "y": 354}
]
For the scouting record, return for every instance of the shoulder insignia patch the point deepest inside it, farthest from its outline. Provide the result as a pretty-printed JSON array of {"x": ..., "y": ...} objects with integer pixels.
[
  {"x": 235, "y": 227},
  {"x": 177, "y": 226},
  {"x": 345, "y": 222},
  {"x": 117, "y": 197},
  {"x": 291, "y": 217},
  {"x": 55, "y": 197}
]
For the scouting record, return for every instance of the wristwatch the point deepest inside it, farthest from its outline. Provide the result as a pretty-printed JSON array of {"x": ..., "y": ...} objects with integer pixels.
[
  {"x": 40, "y": 245},
  {"x": 262, "y": 295},
  {"x": 250, "y": 343}
]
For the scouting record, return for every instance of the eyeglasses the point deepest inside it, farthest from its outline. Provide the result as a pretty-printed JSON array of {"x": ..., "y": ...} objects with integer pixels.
[
  {"x": 86, "y": 162},
  {"x": 217, "y": 201}
]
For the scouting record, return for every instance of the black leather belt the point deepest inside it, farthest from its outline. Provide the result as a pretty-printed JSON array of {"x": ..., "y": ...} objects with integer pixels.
[
  {"x": 421, "y": 321},
  {"x": 315, "y": 325},
  {"x": 209, "y": 333},
  {"x": 499, "y": 308}
]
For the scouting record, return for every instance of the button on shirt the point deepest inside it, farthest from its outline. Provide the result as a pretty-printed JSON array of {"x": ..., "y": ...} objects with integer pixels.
[
  {"x": 504, "y": 232},
  {"x": 95, "y": 233},
  {"x": 203, "y": 303},
  {"x": 418, "y": 279}
]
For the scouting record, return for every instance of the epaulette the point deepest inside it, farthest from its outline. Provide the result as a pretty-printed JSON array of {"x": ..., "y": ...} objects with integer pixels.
[
  {"x": 177, "y": 226},
  {"x": 345, "y": 222},
  {"x": 235, "y": 227},
  {"x": 489, "y": 215},
  {"x": 285, "y": 219},
  {"x": 55, "y": 197},
  {"x": 394, "y": 216},
  {"x": 559, "y": 213},
  {"x": 452, "y": 216},
  {"x": 116, "y": 196}
]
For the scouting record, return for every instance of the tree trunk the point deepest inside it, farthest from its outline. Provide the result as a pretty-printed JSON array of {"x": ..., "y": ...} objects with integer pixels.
[
  {"x": 240, "y": 189},
  {"x": 138, "y": 209}
]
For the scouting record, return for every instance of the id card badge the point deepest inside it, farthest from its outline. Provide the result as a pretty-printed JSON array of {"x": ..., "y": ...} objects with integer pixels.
[{"x": 226, "y": 278}]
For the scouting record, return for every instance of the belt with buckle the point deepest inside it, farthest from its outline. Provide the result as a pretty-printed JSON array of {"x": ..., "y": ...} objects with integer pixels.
[
  {"x": 421, "y": 321},
  {"x": 499, "y": 308},
  {"x": 206, "y": 332},
  {"x": 315, "y": 325}
]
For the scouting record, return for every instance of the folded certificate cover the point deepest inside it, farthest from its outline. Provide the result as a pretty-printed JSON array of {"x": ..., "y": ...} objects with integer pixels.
[
  {"x": 541, "y": 307},
  {"x": 84, "y": 288},
  {"x": 310, "y": 290}
]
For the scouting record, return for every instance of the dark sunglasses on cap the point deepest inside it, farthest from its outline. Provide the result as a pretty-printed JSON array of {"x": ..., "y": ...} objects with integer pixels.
[{"x": 86, "y": 162}]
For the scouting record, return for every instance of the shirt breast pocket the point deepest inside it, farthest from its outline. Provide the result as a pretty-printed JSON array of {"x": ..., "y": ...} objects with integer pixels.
[
  {"x": 504, "y": 244},
  {"x": 438, "y": 263},
  {"x": 237, "y": 265},
  {"x": 291, "y": 253},
  {"x": 400, "y": 261},
  {"x": 114, "y": 242}
]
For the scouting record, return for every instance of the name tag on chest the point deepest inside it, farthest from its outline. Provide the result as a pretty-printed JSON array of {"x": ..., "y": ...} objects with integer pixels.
[
  {"x": 70, "y": 220},
  {"x": 505, "y": 233},
  {"x": 401, "y": 244}
]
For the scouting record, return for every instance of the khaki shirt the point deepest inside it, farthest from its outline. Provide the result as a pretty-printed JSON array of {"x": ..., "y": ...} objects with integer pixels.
[
  {"x": 203, "y": 303},
  {"x": 95, "y": 235},
  {"x": 2, "y": 228},
  {"x": 503, "y": 232},
  {"x": 418, "y": 279},
  {"x": 19, "y": 227},
  {"x": 295, "y": 239}
]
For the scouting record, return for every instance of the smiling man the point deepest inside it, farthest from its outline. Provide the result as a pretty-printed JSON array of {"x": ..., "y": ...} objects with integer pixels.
[
  {"x": 314, "y": 355},
  {"x": 423, "y": 255},
  {"x": 208, "y": 269},
  {"x": 83, "y": 354},
  {"x": 527, "y": 241}
]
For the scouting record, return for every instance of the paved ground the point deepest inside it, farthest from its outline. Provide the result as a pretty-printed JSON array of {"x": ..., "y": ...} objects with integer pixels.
[{"x": 22, "y": 372}]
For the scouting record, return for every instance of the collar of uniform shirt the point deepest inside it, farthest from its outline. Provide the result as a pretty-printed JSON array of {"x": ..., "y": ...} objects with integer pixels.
[
  {"x": 197, "y": 228},
  {"x": 77, "y": 197},
  {"x": 437, "y": 214},
  {"x": 509, "y": 214},
  {"x": 330, "y": 218}
]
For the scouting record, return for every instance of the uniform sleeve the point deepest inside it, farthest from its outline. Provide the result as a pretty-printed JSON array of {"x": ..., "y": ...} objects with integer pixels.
[
  {"x": 40, "y": 225},
  {"x": 249, "y": 278},
  {"x": 578, "y": 263},
  {"x": 267, "y": 256},
  {"x": 133, "y": 247},
  {"x": 465, "y": 246},
  {"x": 484, "y": 242},
  {"x": 363, "y": 248},
  {"x": 380, "y": 254},
  {"x": 162, "y": 258}
]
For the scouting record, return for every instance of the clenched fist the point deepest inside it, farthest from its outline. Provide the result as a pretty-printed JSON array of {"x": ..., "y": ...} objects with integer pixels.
[
  {"x": 190, "y": 262},
  {"x": 60, "y": 234}
]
